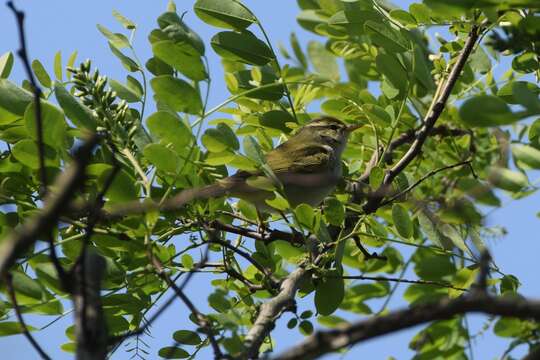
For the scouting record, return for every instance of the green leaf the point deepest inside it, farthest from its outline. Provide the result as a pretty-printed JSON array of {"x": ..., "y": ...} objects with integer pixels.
[
  {"x": 253, "y": 150},
  {"x": 128, "y": 63},
  {"x": 329, "y": 293},
  {"x": 41, "y": 74},
  {"x": 163, "y": 158},
  {"x": 244, "y": 47},
  {"x": 403, "y": 17},
  {"x": 27, "y": 288},
  {"x": 291, "y": 324},
  {"x": 176, "y": 93},
  {"x": 507, "y": 179},
  {"x": 8, "y": 328},
  {"x": 485, "y": 111},
  {"x": 54, "y": 124},
  {"x": 323, "y": 61},
  {"x": 119, "y": 41},
  {"x": 389, "y": 66},
  {"x": 125, "y": 22},
  {"x": 421, "y": 13},
  {"x": 508, "y": 327},
  {"x": 278, "y": 202},
  {"x": 287, "y": 251},
  {"x": 71, "y": 62},
  {"x": 123, "y": 188},
  {"x": 277, "y": 119},
  {"x": 58, "y": 65},
  {"x": 26, "y": 151},
  {"x": 480, "y": 61},
  {"x": 220, "y": 139},
  {"x": 455, "y": 237},
  {"x": 124, "y": 92},
  {"x": 525, "y": 63},
  {"x": 306, "y": 327},
  {"x": 187, "y": 261},
  {"x": 309, "y": 20},
  {"x": 334, "y": 211},
  {"x": 171, "y": 352},
  {"x": 527, "y": 155},
  {"x": 181, "y": 57},
  {"x": 13, "y": 98},
  {"x": 509, "y": 284},
  {"x": 432, "y": 266},
  {"x": 175, "y": 29},
  {"x": 218, "y": 301},
  {"x": 383, "y": 35},
  {"x": 298, "y": 51},
  {"x": 513, "y": 93},
  {"x": 432, "y": 232},
  {"x": 245, "y": 82},
  {"x": 170, "y": 130},
  {"x": 402, "y": 221},
  {"x": 187, "y": 337},
  {"x": 305, "y": 215},
  {"x": 6, "y": 64},
  {"x": 158, "y": 67},
  {"x": 78, "y": 113},
  {"x": 228, "y": 14},
  {"x": 135, "y": 86}
]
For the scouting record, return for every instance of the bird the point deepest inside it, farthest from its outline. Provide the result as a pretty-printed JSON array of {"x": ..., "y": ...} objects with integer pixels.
[{"x": 308, "y": 167}]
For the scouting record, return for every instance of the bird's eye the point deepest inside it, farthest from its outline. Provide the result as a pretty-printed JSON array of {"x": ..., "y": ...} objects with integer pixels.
[{"x": 334, "y": 127}]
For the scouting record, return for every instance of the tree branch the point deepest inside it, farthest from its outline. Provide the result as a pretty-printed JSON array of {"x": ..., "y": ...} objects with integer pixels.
[
  {"x": 323, "y": 342},
  {"x": 248, "y": 257},
  {"x": 90, "y": 327},
  {"x": 399, "y": 280},
  {"x": 23, "y": 54},
  {"x": 432, "y": 116},
  {"x": 202, "y": 320},
  {"x": 271, "y": 310},
  {"x": 422, "y": 179},
  {"x": 13, "y": 298},
  {"x": 67, "y": 183}
]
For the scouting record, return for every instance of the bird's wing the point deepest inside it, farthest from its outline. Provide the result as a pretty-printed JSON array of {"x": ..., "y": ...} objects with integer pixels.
[{"x": 309, "y": 158}]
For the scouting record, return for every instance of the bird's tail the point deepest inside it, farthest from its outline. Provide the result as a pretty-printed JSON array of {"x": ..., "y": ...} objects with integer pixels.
[{"x": 188, "y": 195}]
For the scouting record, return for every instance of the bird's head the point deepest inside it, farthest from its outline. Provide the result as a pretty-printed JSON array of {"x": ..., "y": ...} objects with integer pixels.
[{"x": 331, "y": 131}]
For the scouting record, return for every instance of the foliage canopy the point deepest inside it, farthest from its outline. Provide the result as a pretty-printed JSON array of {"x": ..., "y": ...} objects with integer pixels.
[{"x": 467, "y": 141}]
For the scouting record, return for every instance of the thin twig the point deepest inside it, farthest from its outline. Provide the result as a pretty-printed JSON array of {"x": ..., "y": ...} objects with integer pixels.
[
  {"x": 400, "y": 280},
  {"x": 366, "y": 253},
  {"x": 11, "y": 292},
  {"x": 422, "y": 179},
  {"x": 23, "y": 54},
  {"x": 432, "y": 116},
  {"x": 115, "y": 340},
  {"x": 202, "y": 320},
  {"x": 248, "y": 257}
]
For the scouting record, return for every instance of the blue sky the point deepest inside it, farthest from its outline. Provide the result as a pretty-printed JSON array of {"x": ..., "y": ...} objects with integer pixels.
[{"x": 71, "y": 25}]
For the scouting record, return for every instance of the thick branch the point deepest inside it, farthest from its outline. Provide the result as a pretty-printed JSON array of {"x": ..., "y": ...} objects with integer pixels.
[
  {"x": 271, "y": 310},
  {"x": 323, "y": 342},
  {"x": 432, "y": 116},
  {"x": 55, "y": 203},
  {"x": 90, "y": 327}
]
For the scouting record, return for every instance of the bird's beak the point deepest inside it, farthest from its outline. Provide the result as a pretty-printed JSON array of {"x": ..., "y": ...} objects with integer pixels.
[{"x": 353, "y": 127}]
